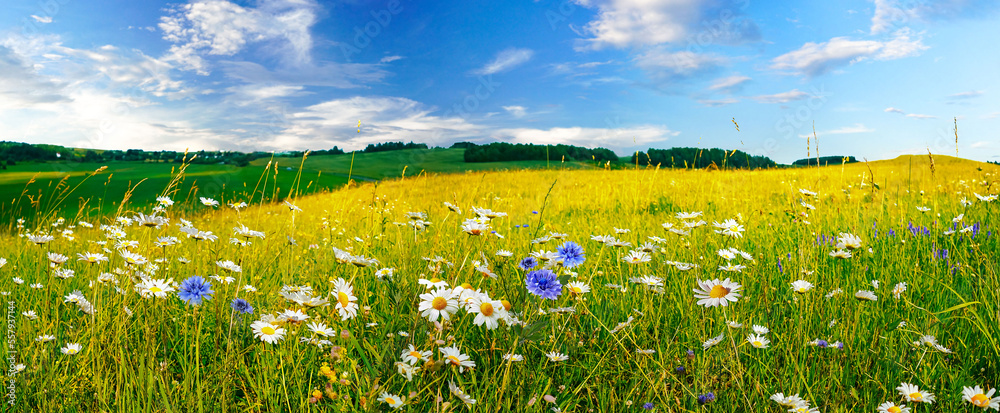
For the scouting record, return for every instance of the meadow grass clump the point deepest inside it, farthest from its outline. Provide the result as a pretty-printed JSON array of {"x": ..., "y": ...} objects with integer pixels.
[{"x": 840, "y": 288}]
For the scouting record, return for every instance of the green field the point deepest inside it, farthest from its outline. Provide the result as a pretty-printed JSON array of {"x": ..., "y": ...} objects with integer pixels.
[
  {"x": 104, "y": 192},
  {"x": 844, "y": 286}
]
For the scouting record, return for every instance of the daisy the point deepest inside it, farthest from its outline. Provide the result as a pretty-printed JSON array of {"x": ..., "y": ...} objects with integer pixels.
[
  {"x": 714, "y": 292},
  {"x": 30, "y": 314},
  {"x": 347, "y": 304},
  {"x": 228, "y": 266},
  {"x": 865, "y": 295},
  {"x": 487, "y": 311},
  {"x": 806, "y": 192},
  {"x": 474, "y": 227},
  {"x": 555, "y": 356},
  {"x": 842, "y": 254},
  {"x": 713, "y": 341},
  {"x": 577, "y": 287},
  {"x": 293, "y": 316},
  {"x": 729, "y": 228},
  {"x": 898, "y": 290},
  {"x": 790, "y": 401},
  {"x": 636, "y": 257},
  {"x": 729, "y": 267},
  {"x": 155, "y": 288},
  {"x": 734, "y": 324},
  {"x": 71, "y": 349},
  {"x": 688, "y": 215},
  {"x": 267, "y": 332},
  {"x": 457, "y": 392},
  {"x": 209, "y": 202},
  {"x": 432, "y": 283},
  {"x": 890, "y": 407},
  {"x": 57, "y": 259},
  {"x": 976, "y": 396},
  {"x": 848, "y": 241},
  {"x": 440, "y": 303},
  {"x": 414, "y": 356},
  {"x": 513, "y": 357},
  {"x": 394, "y": 401},
  {"x": 407, "y": 370},
  {"x": 760, "y": 329},
  {"x": 321, "y": 329},
  {"x": 132, "y": 258},
  {"x": 758, "y": 341},
  {"x": 45, "y": 338},
  {"x": 92, "y": 258},
  {"x": 802, "y": 286},
  {"x": 454, "y": 357},
  {"x": 913, "y": 393}
]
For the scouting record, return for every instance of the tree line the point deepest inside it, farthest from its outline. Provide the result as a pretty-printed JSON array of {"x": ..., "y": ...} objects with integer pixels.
[
  {"x": 700, "y": 158},
  {"x": 502, "y": 152},
  {"x": 825, "y": 160}
]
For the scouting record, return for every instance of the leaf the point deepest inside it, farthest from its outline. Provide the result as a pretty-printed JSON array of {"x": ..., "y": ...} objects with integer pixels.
[
  {"x": 535, "y": 331},
  {"x": 956, "y": 307}
]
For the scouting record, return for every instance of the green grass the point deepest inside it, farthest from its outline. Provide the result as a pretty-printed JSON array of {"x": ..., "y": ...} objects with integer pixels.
[
  {"x": 164, "y": 355},
  {"x": 102, "y": 194}
]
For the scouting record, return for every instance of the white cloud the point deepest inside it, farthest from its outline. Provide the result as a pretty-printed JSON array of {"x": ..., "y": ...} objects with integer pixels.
[
  {"x": 389, "y": 59},
  {"x": 729, "y": 84},
  {"x": 967, "y": 95},
  {"x": 42, "y": 19},
  {"x": 895, "y": 13},
  {"x": 847, "y": 130},
  {"x": 783, "y": 97},
  {"x": 814, "y": 59},
  {"x": 384, "y": 119},
  {"x": 590, "y": 137},
  {"x": 718, "y": 102},
  {"x": 221, "y": 28},
  {"x": 506, "y": 60},
  {"x": 626, "y": 23},
  {"x": 667, "y": 67},
  {"x": 909, "y": 115},
  {"x": 516, "y": 111}
]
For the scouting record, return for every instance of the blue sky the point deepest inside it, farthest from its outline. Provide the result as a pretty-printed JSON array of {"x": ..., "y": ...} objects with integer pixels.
[{"x": 879, "y": 78}]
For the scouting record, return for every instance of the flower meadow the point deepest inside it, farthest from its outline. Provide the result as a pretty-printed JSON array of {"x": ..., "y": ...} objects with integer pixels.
[{"x": 848, "y": 288}]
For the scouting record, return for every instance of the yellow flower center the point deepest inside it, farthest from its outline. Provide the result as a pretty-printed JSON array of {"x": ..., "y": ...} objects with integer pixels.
[
  {"x": 757, "y": 344},
  {"x": 454, "y": 360},
  {"x": 718, "y": 292},
  {"x": 267, "y": 330},
  {"x": 467, "y": 286},
  {"x": 439, "y": 303},
  {"x": 981, "y": 400},
  {"x": 390, "y": 400},
  {"x": 894, "y": 409},
  {"x": 802, "y": 289},
  {"x": 343, "y": 299},
  {"x": 575, "y": 290},
  {"x": 154, "y": 289},
  {"x": 416, "y": 355},
  {"x": 435, "y": 280},
  {"x": 486, "y": 309},
  {"x": 916, "y": 396}
]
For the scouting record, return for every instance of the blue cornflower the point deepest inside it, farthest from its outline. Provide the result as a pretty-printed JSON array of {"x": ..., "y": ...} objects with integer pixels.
[
  {"x": 528, "y": 263},
  {"x": 195, "y": 289},
  {"x": 241, "y": 306},
  {"x": 822, "y": 343},
  {"x": 648, "y": 406},
  {"x": 571, "y": 254},
  {"x": 543, "y": 283},
  {"x": 705, "y": 398},
  {"x": 680, "y": 369}
]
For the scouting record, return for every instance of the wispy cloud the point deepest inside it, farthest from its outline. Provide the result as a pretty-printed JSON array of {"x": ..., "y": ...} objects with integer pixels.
[
  {"x": 895, "y": 13},
  {"x": 42, "y": 19},
  {"x": 894, "y": 110},
  {"x": 966, "y": 95},
  {"x": 389, "y": 59},
  {"x": 729, "y": 84},
  {"x": 516, "y": 111},
  {"x": 614, "y": 139},
  {"x": 783, "y": 97},
  {"x": 207, "y": 28},
  {"x": 630, "y": 23},
  {"x": 814, "y": 59},
  {"x": 506, "y": 60},
  {"x": 718, "y": 102},
  {"x": 845, "y": 130},
  {"x": 919, "y": 116}
]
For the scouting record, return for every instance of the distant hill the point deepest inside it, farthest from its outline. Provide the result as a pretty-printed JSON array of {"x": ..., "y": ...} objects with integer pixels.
[{"x": 825, "y": 160}]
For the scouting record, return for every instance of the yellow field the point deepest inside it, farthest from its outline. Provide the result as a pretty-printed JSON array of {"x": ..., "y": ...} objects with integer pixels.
[{"x": 639, "y": 339}]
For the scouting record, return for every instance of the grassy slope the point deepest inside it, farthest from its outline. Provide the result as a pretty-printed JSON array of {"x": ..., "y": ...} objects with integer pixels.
[{"x": 223, "y": 182}]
